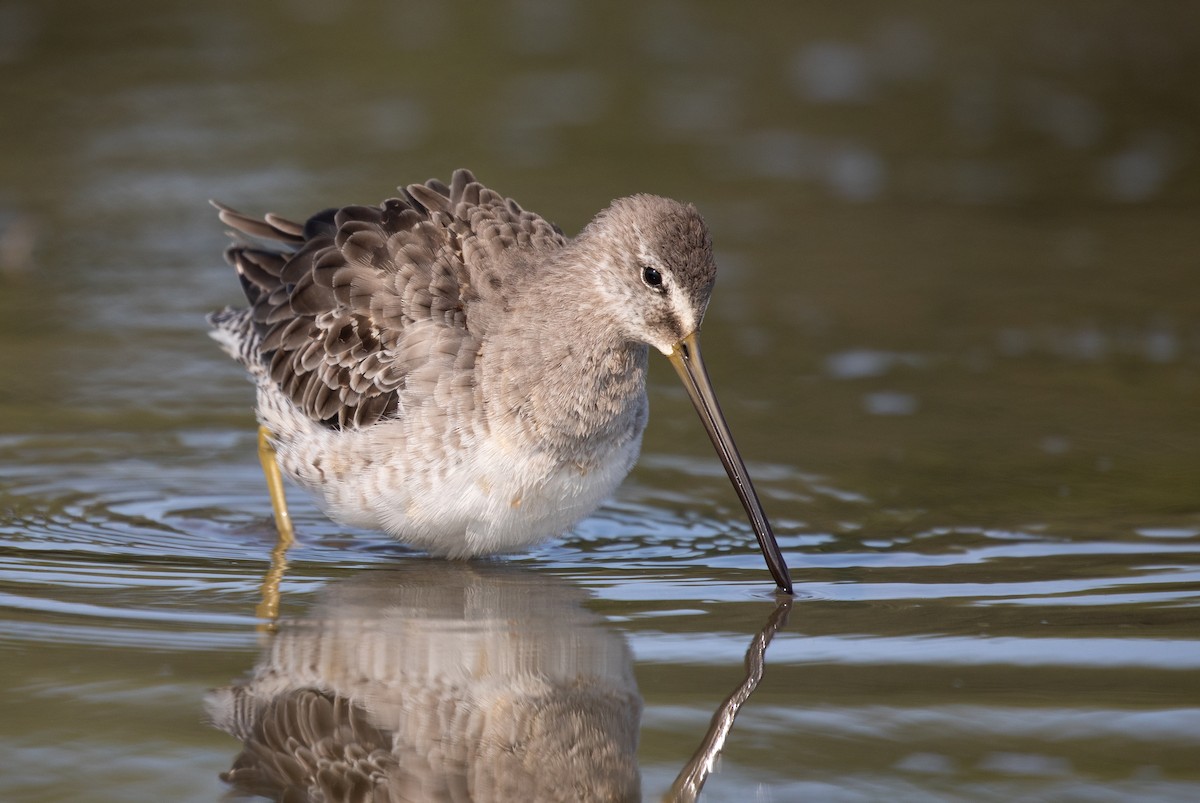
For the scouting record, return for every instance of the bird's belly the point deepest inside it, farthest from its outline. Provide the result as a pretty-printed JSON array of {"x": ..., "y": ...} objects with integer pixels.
[{"x": 497, "y": 499}]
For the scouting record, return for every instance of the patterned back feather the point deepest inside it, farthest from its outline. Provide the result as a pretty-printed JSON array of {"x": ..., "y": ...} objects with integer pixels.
[{"x": 347, "y": 307}]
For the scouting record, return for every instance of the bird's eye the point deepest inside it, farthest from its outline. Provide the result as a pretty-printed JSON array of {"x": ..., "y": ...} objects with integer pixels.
[{"x": 652, "y": 277}]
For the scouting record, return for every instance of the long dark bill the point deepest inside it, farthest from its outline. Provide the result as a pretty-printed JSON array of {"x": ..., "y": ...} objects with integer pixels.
[{"x": 690, "y": 367}]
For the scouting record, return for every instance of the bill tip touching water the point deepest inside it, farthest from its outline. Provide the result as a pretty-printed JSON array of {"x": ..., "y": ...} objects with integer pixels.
[{"x": 452, "y": 369}]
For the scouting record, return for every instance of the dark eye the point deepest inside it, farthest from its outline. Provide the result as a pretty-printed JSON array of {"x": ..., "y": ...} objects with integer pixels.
[{"x": 652, "y": 277}]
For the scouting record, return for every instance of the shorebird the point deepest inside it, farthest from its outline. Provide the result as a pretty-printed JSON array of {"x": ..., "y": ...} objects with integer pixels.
[{"x": 452, "y": 369}]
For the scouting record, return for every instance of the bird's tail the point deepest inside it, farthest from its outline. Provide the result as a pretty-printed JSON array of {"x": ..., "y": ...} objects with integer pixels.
[{"x": 234, "y": 330}]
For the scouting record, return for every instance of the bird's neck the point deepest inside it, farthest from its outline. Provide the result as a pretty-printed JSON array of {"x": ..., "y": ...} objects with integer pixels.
[{"x": 590, "y": 386}]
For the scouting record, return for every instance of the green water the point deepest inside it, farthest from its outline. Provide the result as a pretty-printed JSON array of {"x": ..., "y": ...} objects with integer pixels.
[{"x": 956, "y": 333}]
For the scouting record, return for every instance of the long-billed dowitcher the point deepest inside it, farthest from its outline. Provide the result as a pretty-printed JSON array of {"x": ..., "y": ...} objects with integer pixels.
[{"x": 452, "y": 369}]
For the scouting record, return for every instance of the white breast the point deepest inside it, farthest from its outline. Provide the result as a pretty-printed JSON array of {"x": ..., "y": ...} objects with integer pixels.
[
  {"x": 504, "y": 501},
  {"x": 491, "y": 496},
  {"x": 501, "y": 500}
]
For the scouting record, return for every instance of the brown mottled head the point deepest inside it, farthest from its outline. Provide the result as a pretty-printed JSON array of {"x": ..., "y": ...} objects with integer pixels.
[{"x": 654, "y": 263}]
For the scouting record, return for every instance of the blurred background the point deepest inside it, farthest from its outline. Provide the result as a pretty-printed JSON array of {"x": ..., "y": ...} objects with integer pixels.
[
  {"x": 956, "y": 332},
  {"x": 977, "y": 221}
]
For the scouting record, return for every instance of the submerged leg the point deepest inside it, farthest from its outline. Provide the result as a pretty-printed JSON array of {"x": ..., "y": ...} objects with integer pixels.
[
  {"x": 268, "y": 606},
  {"x": 283, "y": 519}
]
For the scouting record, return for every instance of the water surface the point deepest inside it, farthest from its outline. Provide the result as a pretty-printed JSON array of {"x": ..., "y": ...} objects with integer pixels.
[{"x": 956, "y": 333}]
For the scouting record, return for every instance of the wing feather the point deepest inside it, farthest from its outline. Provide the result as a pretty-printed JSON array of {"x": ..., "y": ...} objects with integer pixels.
[{"x": 358, "y": 304}]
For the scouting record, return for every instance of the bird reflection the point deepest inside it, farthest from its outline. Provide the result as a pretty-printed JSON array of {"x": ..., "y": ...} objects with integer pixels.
[
  {"x": 439, "y": 682},
  {"x": 451, "y": 682}
]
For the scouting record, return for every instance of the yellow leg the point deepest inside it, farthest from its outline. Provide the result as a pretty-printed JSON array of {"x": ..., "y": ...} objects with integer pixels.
[
  {"x": 283, "y": 519},
  {"x": 268, "y": 607}
]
